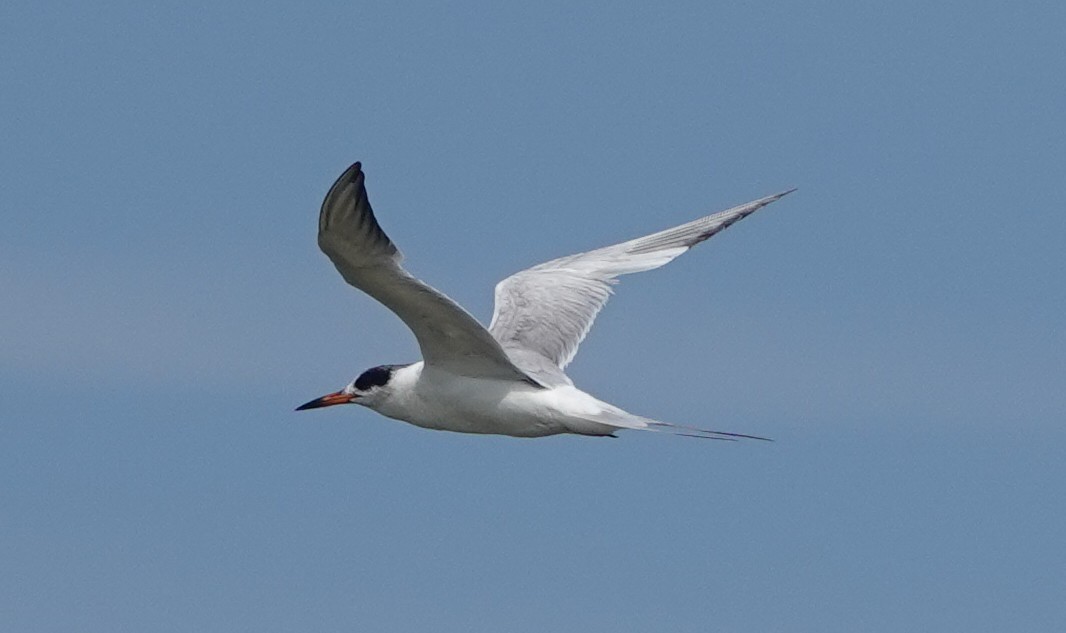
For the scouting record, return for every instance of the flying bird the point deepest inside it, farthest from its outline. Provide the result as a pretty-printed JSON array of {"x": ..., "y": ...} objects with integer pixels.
[{"x": 507, "y": 379}]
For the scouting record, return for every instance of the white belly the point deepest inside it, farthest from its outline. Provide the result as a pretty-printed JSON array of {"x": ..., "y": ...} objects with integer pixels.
[{"x": 469, "y": 405}]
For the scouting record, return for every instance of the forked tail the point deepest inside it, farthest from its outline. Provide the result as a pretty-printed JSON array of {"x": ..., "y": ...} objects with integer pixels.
[{"x": 623, "y": 420}]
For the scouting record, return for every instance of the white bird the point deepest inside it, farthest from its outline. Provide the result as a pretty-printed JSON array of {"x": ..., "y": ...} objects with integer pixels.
[{"x": 507, "y": 379}]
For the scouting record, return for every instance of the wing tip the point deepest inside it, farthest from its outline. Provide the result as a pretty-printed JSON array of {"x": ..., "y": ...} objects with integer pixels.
[
  {"x": 352, "y": 175},
  {"x": 745, "y": 210},
  {"x": 775, "y": 197},
  {"x": 354, "y": 171}
]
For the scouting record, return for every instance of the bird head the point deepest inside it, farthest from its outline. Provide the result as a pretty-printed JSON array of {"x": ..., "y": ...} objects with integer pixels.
[{"x": 369, "y": 389}]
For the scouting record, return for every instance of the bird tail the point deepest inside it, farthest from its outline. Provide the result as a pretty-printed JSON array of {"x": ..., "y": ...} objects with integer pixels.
[{"x": 618, "y": 419}]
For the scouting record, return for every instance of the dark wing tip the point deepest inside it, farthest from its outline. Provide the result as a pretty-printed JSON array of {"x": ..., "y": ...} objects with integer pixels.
[
  {"x": 352, "y": 174},
  {"x": 347, "y": 220},
  {"x": 774, "y": 198},
  {"x": 348, "y": 184}
]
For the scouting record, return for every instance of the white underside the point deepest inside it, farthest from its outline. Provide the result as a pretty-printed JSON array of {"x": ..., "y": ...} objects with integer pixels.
[{"x": 435, "y": 399}]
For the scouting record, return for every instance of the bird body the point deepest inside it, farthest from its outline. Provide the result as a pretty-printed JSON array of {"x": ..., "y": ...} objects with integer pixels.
[
  {"x": 435, "y": 399},
  {"x": 507, "y": 379}
]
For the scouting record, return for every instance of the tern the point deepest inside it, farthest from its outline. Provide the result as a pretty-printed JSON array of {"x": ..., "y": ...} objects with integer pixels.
[{"x": 507, "y": 379}]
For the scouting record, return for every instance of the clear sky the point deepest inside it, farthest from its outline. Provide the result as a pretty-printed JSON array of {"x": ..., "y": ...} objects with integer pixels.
[{"x": 896, "y": 325}]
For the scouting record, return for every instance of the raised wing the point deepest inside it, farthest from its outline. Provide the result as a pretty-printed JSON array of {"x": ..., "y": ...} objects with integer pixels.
[
  {"x": 547, "y": 310},
  {"x": 450, "y": 339}
]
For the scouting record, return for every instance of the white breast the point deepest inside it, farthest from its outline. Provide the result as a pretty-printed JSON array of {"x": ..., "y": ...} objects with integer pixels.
[{"x": 440, "y": 400}]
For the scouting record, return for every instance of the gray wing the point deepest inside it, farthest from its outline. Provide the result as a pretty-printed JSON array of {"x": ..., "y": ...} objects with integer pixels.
[
  {"x": 450, "y": 339},
  {"x": 543, "y": 313}
]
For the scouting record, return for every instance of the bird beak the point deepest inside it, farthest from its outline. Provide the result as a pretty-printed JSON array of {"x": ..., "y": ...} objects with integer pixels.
[{"x": 327, "y": 400}]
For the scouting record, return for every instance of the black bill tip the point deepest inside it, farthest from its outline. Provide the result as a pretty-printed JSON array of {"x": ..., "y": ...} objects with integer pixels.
[
  {"x": 314, "y": 404},
  {"x": 327, "y": 400}
]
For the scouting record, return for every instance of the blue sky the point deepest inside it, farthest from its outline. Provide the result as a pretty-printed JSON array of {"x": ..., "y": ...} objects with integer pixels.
[{"x": 896, "y": 325}]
